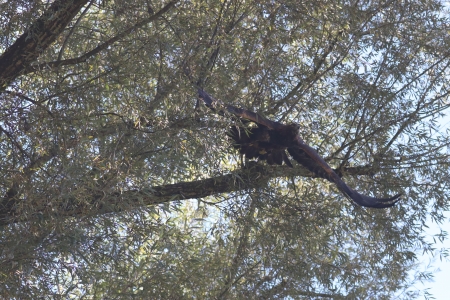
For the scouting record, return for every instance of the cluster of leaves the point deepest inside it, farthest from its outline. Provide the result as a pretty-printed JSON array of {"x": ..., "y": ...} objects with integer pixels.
[{"x": 113, "y": 182}]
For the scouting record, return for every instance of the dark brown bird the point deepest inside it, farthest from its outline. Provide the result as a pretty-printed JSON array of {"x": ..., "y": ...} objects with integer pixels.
[
  {"x": 262, "y": 143},
  {"x": 270, "y": 140}
]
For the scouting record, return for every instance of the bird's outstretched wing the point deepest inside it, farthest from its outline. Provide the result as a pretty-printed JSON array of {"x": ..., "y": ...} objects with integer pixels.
[
  {"x": 311, "y": 160},
  {"x": 297, "y": 148}
]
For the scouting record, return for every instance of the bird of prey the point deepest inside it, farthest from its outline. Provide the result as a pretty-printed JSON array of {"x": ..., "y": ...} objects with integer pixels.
[{"x": 270, "y": 140}]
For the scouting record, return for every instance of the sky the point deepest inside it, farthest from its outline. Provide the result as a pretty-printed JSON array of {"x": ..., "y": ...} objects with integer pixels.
[{"x": 440, "y": 286}]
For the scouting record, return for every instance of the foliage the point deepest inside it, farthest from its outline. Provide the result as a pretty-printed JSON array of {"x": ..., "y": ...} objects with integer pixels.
[{"x": 113, "y": 181}]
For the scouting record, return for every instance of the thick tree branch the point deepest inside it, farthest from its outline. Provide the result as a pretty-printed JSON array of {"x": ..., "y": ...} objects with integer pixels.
[
  {"x": 256, "y": 176},
  {"x": 101, "y": 47},
  {"x": 36, "y": 39},
  {"x": 131, "y": 199}
]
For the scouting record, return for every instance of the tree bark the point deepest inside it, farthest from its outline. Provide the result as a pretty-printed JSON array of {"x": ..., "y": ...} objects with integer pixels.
[
  {"x": 100, "y": 203},
  {"x": 41, "y": 34},
  {"x": 256, "y": 176},
  {"x": 83, "y": 58}
]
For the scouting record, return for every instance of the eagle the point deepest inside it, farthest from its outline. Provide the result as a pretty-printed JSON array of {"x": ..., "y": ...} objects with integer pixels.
[{"x": 270, "y": 140}]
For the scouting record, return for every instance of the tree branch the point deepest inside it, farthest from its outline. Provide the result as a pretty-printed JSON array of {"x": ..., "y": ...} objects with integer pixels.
[
  {"x": 36, "y": 39},
  {"x": 101, "y": 47},
  {"x": 98, "y": 203}
]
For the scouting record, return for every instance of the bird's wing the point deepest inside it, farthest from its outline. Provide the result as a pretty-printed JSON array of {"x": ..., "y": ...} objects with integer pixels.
[{"x": 311, "y": 160}]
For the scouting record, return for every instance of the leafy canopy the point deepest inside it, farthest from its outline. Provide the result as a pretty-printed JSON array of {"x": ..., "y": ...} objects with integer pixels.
[{"x": 115, "y": 184}]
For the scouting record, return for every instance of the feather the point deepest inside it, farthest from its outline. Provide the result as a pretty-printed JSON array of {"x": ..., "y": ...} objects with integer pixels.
[{"x": 270, "y": 140}]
